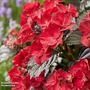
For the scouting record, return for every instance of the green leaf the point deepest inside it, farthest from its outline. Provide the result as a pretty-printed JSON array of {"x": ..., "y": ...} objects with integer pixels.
[
  {"x": 73, "y": 38},
  {"x": 65, "y": 1},
  {"x": 69, "y": 65},
  {"x": 41, "y": 1}
]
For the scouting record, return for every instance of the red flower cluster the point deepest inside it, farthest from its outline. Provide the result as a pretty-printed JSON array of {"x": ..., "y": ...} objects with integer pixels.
[
  {"x": 44, "y": 24},
  {"x": 85, "y": 29},
  {"x": 19, "y": 76},
  {"x": 77, "y": 78}
]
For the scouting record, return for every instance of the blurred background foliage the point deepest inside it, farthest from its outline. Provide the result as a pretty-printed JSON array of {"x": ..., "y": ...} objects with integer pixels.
[{"x": 5, "y": 66}]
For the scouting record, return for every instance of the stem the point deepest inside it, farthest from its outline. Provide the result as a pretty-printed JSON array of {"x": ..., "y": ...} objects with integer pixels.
[
  {"x": 56, "y": 50},
  {"x": 64, "y": 53},
  {"x": 71, "y": 53},
  {"x": 61, "y": 64}
]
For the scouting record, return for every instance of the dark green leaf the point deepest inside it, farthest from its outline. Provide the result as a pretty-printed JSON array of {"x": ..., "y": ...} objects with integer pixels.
[
  {"x": 76, "y": 3},
  {"x": 69, "y": 65},
  {"x": 73, "y": 38}
]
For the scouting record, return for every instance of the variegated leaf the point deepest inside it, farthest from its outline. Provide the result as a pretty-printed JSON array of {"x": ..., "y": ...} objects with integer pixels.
[
  {"x": 73, "y": 38},
  {"x": 5, "y": 53},
  {"x": 35, "y": 69},
  {"x": 84, "y": 4},
  {"x": 84, "y": 53}
]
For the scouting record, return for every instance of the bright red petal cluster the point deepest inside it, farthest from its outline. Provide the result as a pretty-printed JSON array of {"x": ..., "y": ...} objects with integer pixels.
[
  {"x": 44, "y": 24},
  {"x": 19, "y": 76},
  {"x": 85, "y": 29},
  {"x": 77, "y": 78}
]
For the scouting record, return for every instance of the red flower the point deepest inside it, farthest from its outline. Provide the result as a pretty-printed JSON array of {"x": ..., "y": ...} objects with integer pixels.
[
  {"x": 67, "y": 87},
  {"x": 84, "y": 64},
  {"x": 85, "y": 25},
  {"x": 40, "y": 52},
  {"x": 85, "y": 29},
  {"x": 26, "y": 34},
  {"x": 15, "y": 72},
  {"x": 46, "y": 1},
  {"x": 23, "y": 19},
  {"x": 88, "y": 74},
  {"x": 62, "y": 8},
  {"x": 14, "y": 33},
  {"x": 52, "y": 36},
  {"x": 21, "y": 59},
  {"x": 28, "y": 9},
  {"x": 88, "y": 15},
  {"x": 67, "y": 76},
  {"x": 71, "y": 9},
  {"x": 86, "y": 39},
  {"x": 16, "y": 80},
  {"x": 53, "y": 83},
  {"x": 37, "y": 82},
  {"x": 64, "y": 21},
  {"x": 45, "y": 21},
  {"x": 80, "y": 79},
  {"x": 20, "y": 83}
]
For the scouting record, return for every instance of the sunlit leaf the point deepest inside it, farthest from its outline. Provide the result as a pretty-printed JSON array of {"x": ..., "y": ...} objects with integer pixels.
[{"x": 5, "y": 53}]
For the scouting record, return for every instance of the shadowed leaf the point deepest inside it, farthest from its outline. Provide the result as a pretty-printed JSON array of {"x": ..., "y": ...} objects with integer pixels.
[{"x": 73, "y": 38}]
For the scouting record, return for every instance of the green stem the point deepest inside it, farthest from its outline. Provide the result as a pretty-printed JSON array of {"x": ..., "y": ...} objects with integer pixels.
[
  {"x": 71, "y": 53},
  {"x": 61, "y": 64},
  {"x": 56, "y": 50},
  {"x": 64, "y": 53}
]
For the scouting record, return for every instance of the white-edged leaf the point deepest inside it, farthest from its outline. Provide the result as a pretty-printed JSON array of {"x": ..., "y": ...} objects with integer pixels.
[
  {"x": 84, "y": 53},
  {"x": 5, "y": 53},
  {"x": 73, "y": 38},
  {"x": 84, "y": 4},
  {"x": 35, "y": 70}
]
